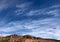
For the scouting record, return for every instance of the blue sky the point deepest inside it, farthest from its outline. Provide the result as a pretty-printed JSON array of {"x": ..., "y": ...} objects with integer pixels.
[{"x": 39, "y": 18}]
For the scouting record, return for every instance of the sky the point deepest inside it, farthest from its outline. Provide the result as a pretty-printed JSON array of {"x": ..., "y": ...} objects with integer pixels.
[{"x": 40, "y": 18}]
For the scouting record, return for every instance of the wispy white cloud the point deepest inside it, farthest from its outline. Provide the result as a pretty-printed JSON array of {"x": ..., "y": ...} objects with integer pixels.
[
  {"x": 52, "y": 10},
  {"x": 22, "y": 7},
  {"x": 3, "y": 5},
  {"x": 46, "y": 28},
  {"x": 55, "y": 6}
]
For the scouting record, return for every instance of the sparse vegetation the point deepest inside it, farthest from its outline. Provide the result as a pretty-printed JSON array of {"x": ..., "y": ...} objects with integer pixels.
[
  {"x": 5, "y": 40},
  {"x": 26, "y": 38}
]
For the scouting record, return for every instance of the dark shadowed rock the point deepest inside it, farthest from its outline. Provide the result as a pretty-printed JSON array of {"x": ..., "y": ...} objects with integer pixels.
[{"x": 27, "y": 36}]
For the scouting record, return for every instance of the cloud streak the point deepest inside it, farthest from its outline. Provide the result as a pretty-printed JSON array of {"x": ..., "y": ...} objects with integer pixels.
[
  {"x": 52, "y": 10},
  {"x": 22, "y": 7},
  {"x": 46, "y": 28}
]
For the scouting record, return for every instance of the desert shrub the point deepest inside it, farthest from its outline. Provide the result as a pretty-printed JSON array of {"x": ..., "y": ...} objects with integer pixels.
[{"x": 5, "y": 40}]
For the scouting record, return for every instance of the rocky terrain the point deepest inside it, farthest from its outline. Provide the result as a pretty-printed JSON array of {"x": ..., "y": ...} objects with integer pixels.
[{"x": 25, "y": 38}]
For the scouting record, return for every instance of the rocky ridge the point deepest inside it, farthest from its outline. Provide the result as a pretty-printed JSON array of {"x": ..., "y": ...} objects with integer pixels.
[{"x": 25, "y": 38}]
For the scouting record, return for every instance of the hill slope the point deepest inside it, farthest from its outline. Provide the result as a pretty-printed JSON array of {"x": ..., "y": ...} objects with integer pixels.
[{"x": 25, "y": 38}]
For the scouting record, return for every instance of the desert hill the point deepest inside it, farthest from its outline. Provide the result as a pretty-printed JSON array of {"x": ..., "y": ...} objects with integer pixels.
[{"x": 25, "y": 38}]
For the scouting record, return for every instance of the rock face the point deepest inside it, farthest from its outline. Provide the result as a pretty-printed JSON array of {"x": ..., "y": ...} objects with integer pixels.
[{"x": 25, "y": 38}]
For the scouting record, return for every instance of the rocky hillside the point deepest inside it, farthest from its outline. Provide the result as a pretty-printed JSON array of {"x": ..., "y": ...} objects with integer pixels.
[{"x": 25, "y": 38}]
